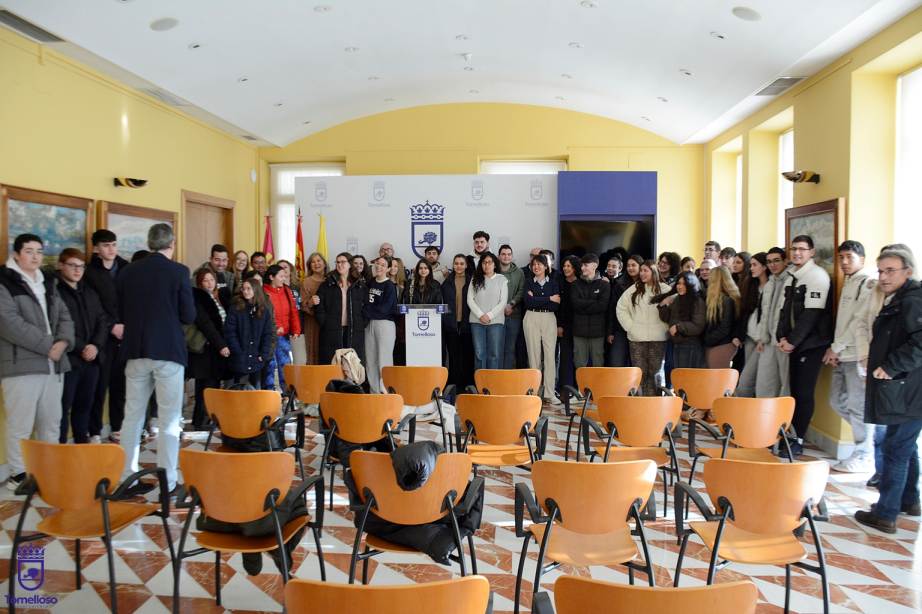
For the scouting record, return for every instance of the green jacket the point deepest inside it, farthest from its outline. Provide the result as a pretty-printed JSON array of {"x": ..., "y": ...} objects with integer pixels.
[{"x": 516, "y": 279}]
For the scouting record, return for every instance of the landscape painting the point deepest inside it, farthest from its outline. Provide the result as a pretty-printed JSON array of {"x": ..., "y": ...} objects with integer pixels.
[
  {"x": 130, "y": 224},
  {"x": 61, "y": 221}
]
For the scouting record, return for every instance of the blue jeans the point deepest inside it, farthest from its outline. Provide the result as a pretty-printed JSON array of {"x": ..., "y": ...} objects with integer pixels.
[
  {"x": 899, "y": 482},
  {"x": 488, "y": 345},
  {"x": 880, "y": 431},
  {"x": 280, "y": 357},
  {"x": 513, "y": 328}
]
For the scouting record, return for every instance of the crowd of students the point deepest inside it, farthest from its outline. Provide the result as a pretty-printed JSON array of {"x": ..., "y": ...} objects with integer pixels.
[{"x": 768, "y": 314}]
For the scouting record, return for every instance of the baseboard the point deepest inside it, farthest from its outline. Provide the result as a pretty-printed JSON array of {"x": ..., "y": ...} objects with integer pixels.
[{"x": 835, "y": 448}]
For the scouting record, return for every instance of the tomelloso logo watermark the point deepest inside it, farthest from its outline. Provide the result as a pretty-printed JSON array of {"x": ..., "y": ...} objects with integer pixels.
[{"x": 30, "y": 575}]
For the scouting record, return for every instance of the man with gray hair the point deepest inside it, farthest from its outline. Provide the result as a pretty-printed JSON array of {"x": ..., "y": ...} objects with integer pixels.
[{"x": 155, "y": 299}]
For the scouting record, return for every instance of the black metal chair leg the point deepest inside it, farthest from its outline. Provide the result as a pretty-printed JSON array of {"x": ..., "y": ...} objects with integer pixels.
[
  {"x": 787, "y": 588},
  {"x": 323, "y": 567},
  {"x": 470, "y": 544},
  {"x": 521, "y": 572},
  {"x": 300, "y": 461},
  {"x": 111, "y": 560},
  {"x": 566, "y": 450},
  {"x": 77, "y": 559},
  {"x": 630, "y": 575},
  {"x": 217, "y": 577},
  {"x": 365, "y": 568},
  {"x": 678, "y": 567},
  {"x": 332, "y": 479}
]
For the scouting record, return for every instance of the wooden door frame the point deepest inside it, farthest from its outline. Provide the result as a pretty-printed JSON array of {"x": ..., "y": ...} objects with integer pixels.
[{"x": 188, "y": 196}]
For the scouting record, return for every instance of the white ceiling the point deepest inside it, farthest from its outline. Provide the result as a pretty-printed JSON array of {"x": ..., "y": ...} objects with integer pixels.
[{"x": 630, "y": 53}]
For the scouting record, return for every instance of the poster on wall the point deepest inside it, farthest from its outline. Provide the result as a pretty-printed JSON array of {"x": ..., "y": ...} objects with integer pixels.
[
  {"x": 61, "y": 221},
  {"x": 415, "y": 211},
  {"x": 130, "y": 224}
]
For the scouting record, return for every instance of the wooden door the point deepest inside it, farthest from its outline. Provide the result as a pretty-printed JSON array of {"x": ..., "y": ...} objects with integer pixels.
[{"x": 208, "y": 220}]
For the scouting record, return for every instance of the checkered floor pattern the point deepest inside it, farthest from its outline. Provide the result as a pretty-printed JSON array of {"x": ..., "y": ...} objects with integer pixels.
[{"x": 869, "y": 571}]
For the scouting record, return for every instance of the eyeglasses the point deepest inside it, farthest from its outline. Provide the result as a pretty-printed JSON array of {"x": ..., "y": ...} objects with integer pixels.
[
  {"x": 889, "y": 272},
  {"x": 76, "y": 267}
]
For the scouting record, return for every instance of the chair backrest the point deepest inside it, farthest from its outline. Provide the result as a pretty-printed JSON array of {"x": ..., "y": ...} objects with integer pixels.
[
  {"x": 766, "y": 497},
  {"x": 608, "y": 381},
  {"x": 360, "y": 418},
  {"x": 233, "y": 487},
  {"x": 311, "y": 380},
  {"x": 755, "y": 422},
  {"x": 640, "y": 420},
  {"x": 576, "y": 595},
  {"x": 468, "y": 595},
  {"x": 498, "y": 419},
  {"x": 593, "y": 497},
  {"x": 702, "y": 386},
  {"x": 508, "y": 381},
  {"x": 67, "y": 474},
  {"x": 240, "y": 413},
  {"x": 415, "y": 384},
  {"x": 374, "y": 470}
]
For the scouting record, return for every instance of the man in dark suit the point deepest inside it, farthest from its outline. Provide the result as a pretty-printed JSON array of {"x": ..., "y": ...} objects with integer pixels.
[{"x": 155, "y": 299}]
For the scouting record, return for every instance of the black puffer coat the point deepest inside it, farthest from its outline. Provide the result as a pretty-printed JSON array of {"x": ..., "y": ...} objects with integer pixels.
[{"x": 328, "y": 315}]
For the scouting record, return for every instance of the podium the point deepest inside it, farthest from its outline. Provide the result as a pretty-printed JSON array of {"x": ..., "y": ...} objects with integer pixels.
[{"x": 423, "y": 324}]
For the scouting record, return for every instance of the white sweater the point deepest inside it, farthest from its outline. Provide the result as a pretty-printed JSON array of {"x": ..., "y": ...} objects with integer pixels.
[
  {"x": 491, "y": 299},
  {"x": 642, "y": 321}
]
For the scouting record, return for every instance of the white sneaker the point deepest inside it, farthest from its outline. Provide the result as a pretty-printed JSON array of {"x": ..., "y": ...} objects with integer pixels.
[
  {"x": 95, "y": 439},
  {"x": 555, "y": 402},
  {"x": 856, "y": 463}
]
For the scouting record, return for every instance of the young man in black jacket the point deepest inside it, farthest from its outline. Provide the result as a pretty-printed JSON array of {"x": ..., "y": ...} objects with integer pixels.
[
  {"x": 102, "y": 274},
  {"x": 589, "y": 298},
  {"x": 91, "y": 331}
]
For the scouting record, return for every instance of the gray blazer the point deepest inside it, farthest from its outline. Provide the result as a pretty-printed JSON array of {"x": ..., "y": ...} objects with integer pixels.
[{"x": 24, "y": 344}]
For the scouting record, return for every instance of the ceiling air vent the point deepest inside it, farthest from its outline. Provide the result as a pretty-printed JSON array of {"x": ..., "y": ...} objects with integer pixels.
[
  {"x": 27, "y": 29},
  {"x": 778, "y": 86},
  {"x": 165, "y": 97}
]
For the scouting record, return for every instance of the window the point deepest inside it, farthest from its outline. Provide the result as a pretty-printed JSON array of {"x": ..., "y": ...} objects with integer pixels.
[
  {"x": 785, "y": 187},
  {"x": 522, "y": 167},
  {"x": 282, "y": 201},
  {"x": 907, "y": 210},
  {"x": 739, "y": 202}
]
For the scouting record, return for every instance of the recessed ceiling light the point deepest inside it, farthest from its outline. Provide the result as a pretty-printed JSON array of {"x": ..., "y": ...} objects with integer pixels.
[
  {"x": 559, "y": 97},
  {"x": 278, "y": 104},
  {"x": 462, "y": 37},
  {"x": 194, "y": 45},
  {"x": 566, "y": 76},
  {"x": 323, "y": 8},
  {"x": 164, "y": 24},
  {"x": 645, "y": 118},
  {"x": 373, "y": 78},
  {"x": 745, "y": 13},
  {"x": 661, "y": 99},
  {"x": 575, "y": 45},
  {"x": 685, "y": 72},
  {"x": 389, "y": 100},
  {"x": 351, "y": 49},
  {"x": 473, "y": 91},
  {"x": 588, "y": 4},
  {"x": 243, "y": 79},
  {"x": 718, "y": 36},
  {"x": 469, "y": 68}
]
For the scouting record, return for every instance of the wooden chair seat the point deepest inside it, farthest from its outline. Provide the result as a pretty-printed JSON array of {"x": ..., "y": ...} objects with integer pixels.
[
  {"x": 87, "y": 522},
  {"x": 498, "y": 455},
  {"x": 759, "y": 455},
  {"x": 234, "y": 542},
  {"x": 618, "y": 454},
  {"x": 743, "y": 546},
  {"x": 584, "y": 549},
  {"x": 377, "y": 543}
]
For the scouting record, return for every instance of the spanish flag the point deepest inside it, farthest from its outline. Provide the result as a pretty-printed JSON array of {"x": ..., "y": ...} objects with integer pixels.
[
  {"x": 322, "y": 247},
  {"x": 299, "y": 250},
  {"x": 268, "y": 247}
]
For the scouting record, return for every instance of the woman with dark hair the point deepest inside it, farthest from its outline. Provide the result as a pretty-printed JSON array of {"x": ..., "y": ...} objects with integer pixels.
[
  {"x": 423, "y": 288},
  {"x": 287, "y": 324},
  {"x": 646, "y": 333},
  {"x": 683, "y": 311},
  {"x": 456, "y": 324},
  {"x": 338, "y": 309},
  {"x": 240, "y": 266},
  {"x": 667, "y": 266},
  {"x": 542, "y": 300},
  {"x": 739, "y": 268},
  {"x": 748, "y": 328},
  {"x": 487, "y": 299},
  {"x": 249, "y": 330},
  {"x": 632, "y": 268},
  {"x": 723, "y": 306},
  {"x": 360, "y": 267},
  {"x": 316, "y": 273},
  {"x": 208, "y": 367},
  {"x": 380, "y": 311},
  {"x": 688, "y": 264},
  {"x": 570, "y": 270}
]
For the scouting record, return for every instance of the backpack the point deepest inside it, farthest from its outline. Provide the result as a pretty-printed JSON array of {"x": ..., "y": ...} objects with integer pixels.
[{"x": 351, "y": 364}]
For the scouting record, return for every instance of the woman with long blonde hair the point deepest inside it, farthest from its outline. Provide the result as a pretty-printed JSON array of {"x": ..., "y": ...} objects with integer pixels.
[
  {"x": 721, "y": 312},
  {"x": 315, "y": 275}
]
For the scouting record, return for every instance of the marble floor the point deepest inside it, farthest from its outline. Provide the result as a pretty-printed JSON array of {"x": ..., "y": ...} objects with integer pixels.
[{"x": 869, "y": 571}]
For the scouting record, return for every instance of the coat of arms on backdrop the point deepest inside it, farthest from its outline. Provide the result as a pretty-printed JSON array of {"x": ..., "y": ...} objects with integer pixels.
[{"x": 427, "y": 227}]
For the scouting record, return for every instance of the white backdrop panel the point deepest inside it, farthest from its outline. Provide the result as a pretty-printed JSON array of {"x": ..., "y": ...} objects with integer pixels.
[{"x": 363, "y": 211}]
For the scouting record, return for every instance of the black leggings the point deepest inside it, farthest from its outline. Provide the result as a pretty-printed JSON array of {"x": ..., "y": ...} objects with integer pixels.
[{"x": 804, "y": 371}]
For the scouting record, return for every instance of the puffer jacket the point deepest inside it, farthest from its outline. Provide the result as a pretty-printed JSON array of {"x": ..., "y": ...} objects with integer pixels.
[
  {"x": 250, "y": 339},
  {"x": 771, "y": 301},
  {"x": 642, "y": 321},
  {"x": 689, "y": 326},
  {"x": 24, "y": 340},
  {"x": 855, "y": 292},
  {"x": 896, "y": 347},
  {"x": 589, "y": 299}
]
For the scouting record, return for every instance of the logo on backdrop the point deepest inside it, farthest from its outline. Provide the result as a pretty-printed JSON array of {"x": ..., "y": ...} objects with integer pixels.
[
  {"x": 377, "y": 191},
  {"x": 320, "y": 191},
  {"x": 31, "y": 571},
  {"x": 422, "y": 320},
  {"x": 427, "y": 227},
  {"x": 537, "y": 189},
  {"x": 476, "y": 190}
]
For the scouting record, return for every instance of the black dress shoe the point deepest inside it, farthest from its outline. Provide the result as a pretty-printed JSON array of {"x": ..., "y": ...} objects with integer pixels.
[
  {"x": 140, "y": 488},
  {"x": 253, "y": 562},
  {"x": 869, "y": 519},
  {"x": 874, "y": 482},
  {"x": 911, "y": 509}
]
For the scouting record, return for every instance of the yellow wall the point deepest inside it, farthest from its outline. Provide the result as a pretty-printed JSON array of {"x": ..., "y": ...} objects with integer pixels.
[
  {"x": 68, "y": 129},
  {"x": 453, "y": 138},
  {"x": 844, "y": 122}
]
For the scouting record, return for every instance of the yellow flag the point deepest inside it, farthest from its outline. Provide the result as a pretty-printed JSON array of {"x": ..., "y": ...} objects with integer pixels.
[{"x": 322, "y": 247}]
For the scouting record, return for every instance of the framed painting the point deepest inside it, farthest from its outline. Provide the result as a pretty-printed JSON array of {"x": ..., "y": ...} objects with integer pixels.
[
  {"x": 130, "y": 224},
  {"x": 61, "y": 221},
  {"x": 825, "y": 223}
]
